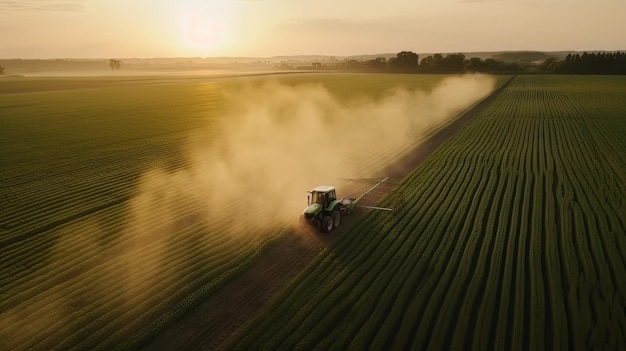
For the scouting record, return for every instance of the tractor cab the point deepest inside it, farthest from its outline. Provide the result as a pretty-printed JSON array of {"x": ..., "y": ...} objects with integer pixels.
[{"x": 323, "y": 195}]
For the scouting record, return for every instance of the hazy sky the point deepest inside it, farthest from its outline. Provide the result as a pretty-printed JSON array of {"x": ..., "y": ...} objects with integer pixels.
[{"x": 175, "y": 28}]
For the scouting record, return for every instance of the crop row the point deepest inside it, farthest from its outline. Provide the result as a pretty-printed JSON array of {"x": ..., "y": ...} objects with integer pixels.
[
  {"x": 84, "y": 273},
  {"x": 84, "y": 266},
  {"x": 512, "y": 237}
]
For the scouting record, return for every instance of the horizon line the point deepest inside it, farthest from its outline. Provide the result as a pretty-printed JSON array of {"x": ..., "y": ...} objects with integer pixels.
[{"x": 300, "y": 55}]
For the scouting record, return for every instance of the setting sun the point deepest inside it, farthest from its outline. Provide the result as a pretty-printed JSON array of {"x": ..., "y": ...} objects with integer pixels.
[
  {"x": 205, "y": 26},
  {"x": 203, "y": 33}
]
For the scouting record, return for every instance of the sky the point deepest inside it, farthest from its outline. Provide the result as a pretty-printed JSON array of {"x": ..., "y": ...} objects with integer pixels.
[{"x": 265, "y": 28}]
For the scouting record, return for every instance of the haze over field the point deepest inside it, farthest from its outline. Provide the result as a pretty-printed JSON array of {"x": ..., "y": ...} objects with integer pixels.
[
  {"x": 262, "y": 28},
  {"x": 277, "y": 141},
  {"x": 246, "y": 176}
]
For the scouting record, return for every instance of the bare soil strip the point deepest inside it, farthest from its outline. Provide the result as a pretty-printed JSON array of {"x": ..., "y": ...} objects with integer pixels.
[{"x": 208, "y": 325}]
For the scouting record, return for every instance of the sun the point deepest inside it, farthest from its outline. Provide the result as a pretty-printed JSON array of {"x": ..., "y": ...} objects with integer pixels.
[
  {"x": 203, "y": 33},
  {"x": 206, "y": 24}
]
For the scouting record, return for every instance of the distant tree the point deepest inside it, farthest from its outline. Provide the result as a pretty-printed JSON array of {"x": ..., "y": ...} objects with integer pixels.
[
  {"x": 1, "y": 70},
  {"x": 475, "y": 64},
  {"x": 589, "y": 63},
  {"x": 405, "y": 61},
  {"x": 437, "y": 62},
  {"x": 115, "y": 65},
  {"x": 377, "y": 65},
  {"x": 426, "y": 64},
  {"x": 454, "y": 63},
  {"x": 351, "y": 65},
  {"x": 492, "y": 65},
  {"x": 432, "y": 64},
  {"x": 549, "y": 64},
  {"x": 391, "y": 63}
]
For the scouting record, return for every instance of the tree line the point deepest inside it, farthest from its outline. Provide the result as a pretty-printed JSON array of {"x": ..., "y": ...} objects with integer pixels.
[
  {"x": 408, "y": 62},
  {"x": 588, "y": 63}
]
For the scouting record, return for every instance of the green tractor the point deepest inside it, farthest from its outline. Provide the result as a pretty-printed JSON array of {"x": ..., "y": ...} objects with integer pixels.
[{"x": 324, "y": 210}]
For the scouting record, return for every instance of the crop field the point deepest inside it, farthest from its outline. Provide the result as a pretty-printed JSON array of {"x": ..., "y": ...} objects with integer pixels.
[
  {"x": 127, "y": 201},
  {"x": 512, "y": 238}
]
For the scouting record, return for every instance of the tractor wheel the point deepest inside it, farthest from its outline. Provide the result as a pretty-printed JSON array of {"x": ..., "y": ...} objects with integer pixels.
[
  {"x": 316, "y": 223},
  {"x": 336, "y": 218},
  {"x": 327, "y": 224}
]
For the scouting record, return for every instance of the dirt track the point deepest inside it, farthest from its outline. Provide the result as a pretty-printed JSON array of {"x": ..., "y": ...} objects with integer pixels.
[{"x": 210, "y": 323}]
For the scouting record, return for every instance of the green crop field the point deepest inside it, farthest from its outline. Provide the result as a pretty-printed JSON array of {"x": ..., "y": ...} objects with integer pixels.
[
  {"x": 110, "y": 230},
  {"x": 512, "y": 238}
]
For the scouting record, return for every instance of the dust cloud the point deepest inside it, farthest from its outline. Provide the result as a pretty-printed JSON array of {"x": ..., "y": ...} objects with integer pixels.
[{"x": 276, "y": 141}]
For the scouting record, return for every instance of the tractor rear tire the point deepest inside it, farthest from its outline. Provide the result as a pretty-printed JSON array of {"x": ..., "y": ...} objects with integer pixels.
[
  {"x": 327, "y": 224},
  {"x": 336, "y": 218}
]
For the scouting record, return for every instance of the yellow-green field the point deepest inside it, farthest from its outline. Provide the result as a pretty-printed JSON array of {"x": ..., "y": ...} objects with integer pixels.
[
  {"x": 513, "y": 238},
  {"x": 127, "y": 201}
]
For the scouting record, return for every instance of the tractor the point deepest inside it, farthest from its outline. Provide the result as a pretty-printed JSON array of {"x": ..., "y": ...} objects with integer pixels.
[{"x": 324, "y": 210}]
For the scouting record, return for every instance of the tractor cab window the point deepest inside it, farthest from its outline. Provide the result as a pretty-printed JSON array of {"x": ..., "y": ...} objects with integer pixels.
[{"x": 319, "y": 198}]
